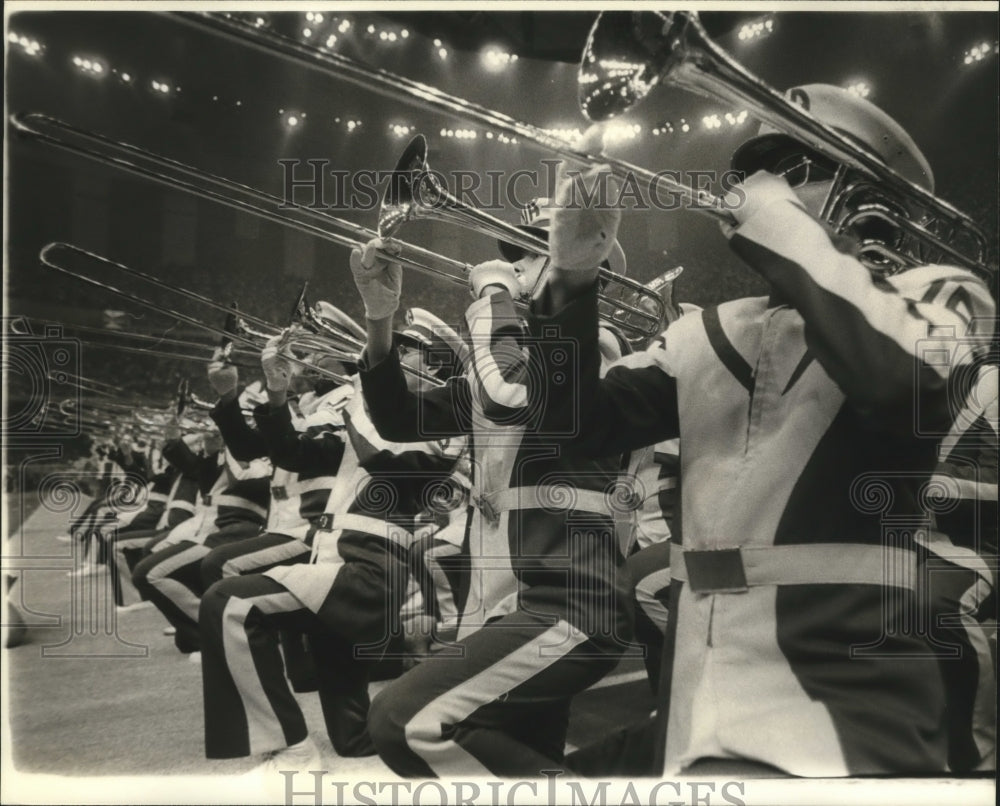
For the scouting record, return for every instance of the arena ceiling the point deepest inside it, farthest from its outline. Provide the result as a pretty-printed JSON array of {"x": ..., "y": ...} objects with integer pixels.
[{"x": 188, "y": 94}]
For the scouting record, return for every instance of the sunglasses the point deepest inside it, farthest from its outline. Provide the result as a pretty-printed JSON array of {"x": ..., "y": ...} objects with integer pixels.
[{"x": 432, "y": 362}]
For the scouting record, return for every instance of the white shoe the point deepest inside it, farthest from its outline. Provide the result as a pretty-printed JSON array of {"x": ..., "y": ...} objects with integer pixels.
[
  {"x": 134, "y": 606},
  {"x": 170, "y": 631},
  {"x": 302, "y": 757},
  {"x": 64, "y": 538},
  {"x": 195, "y": 657},
  {"x": 87, "y": 570}
]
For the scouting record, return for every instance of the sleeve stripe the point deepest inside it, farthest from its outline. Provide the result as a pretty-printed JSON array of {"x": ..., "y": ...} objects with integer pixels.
[
  {"x": 728, "y": 354},
  {"x": 837, "y": 274},
  {"x": 933, "y": 289},
  {"x": 797, "y": 373},
  {"x": 489, "y": 375},
  {"x": 875, "y": 323}
]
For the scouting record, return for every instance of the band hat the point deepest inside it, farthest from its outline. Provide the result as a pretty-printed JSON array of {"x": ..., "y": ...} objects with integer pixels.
[
  {"x": 850, "y": 115},
  {"x": 440, "y": 342},
  {"x": 337, "y": 318},
  {"x": 536, "y": 219},
  {"x": 330, "y": 363}
]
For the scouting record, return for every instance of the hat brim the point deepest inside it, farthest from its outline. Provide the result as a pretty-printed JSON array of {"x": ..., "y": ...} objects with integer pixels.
[
  {"x": 405, "y": 339},
  {"x": 432, "y": 353},
  {"x": 349, "y": 367},
  {"x": 512, "y": 252},
  {"x": 766, "y": 149}
]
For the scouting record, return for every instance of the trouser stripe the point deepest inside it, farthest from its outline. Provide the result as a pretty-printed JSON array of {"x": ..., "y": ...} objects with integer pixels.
[
  {"x": 647, "y": 592},
  {"x": 423, "y": 730},
  {"x": 125, "y": 592},
  {"x": 263, "y": 724},
  {"x": 272, "y": 555},
  {"x": 186, "y": 600}
]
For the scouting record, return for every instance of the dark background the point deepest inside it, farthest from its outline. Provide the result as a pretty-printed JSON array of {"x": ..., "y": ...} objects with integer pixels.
[{"x": 913, "y": 62}]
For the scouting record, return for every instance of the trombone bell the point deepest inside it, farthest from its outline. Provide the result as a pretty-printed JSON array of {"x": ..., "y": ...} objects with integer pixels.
[
  {"x": 401, "y": 202},
  {"x": 626, "y": 55},
  {"x": 629, "y": 52}
]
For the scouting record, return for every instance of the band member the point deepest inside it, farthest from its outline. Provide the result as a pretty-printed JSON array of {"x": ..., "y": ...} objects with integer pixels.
[
  {"x": 959, "y": 570},
  {"x": 233, "y": 506},
  {"x": 179, "y": 493},
  {"x": 785, "y": 573},
  {"x": 546, "y": 613},
  {"x": 439, "y": 562},
  {"x": 123, "y": 473},
  {"x": 297, "y": 500},
  {"x": 346, "y": 599}
]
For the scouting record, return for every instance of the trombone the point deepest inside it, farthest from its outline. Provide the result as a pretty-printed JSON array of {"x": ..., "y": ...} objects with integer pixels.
[
  {"x": 86, "y": 384},
  {"x": 152, "y": 340},
  {"x": 50, "y": 257},
  {"x": 299, "y": 335},
  {"x": 406, "y": 199},
  {"x": 205, "y": 185},
  {"x": 319, "y": 223},
  {"x": 629, "y": 53}
]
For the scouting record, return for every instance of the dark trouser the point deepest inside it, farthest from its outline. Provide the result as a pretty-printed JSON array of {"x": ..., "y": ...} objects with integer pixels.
[
  {"x": 171, "y": 580},
  {"x": 126, "y": 550},
  {"x": 627, "y": 752},
  {"x": 500, "y": 709},
  {"x": 89, "y": 517},
  {"x": 255, "y": 556},
  {"x": 961, "y": 603},
  {"x": 649, "y": 570},
  {"x": 249, "y": 708},
  {"x": 440, "y": 568}
]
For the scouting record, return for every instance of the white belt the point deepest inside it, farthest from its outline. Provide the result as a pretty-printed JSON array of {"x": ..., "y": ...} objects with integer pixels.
[
  {"x": 734, "y": 570},
  {"x": 366, "y": 524},
  {"x": 552, "y": 498}
]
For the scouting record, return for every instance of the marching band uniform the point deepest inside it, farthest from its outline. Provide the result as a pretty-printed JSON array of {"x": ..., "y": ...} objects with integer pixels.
[
  {"x": 960, "y": 574},
  {"x": 347, "y": 598},
  {"x": 117, "y": 468},
  {"x": 127, "y": 545},
  {"x": 233, "y": 506},
  {"x": 297, "y": 504},
  {"x": 545, "y": 615},
  {"x": 297, "y": 500},
  {"x": 785, "y": 413},
  {"x": 439, "y": 560},
  {"x": 656, "y": 470}
]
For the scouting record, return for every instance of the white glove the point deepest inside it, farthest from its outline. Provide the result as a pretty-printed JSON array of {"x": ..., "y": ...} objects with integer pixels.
[
  {"x": 494, "y": 272},
  {"x": 223, "y": 376},
  {"x": 586, "y": 214},
  {"x": 379, "y": 282},
  {"x": 277, "y": 370},
  {"x": 758, "y": 191}
]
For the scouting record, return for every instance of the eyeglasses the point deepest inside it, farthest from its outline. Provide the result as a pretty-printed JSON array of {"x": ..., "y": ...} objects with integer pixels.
[{"x": 802, "y": 169}]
